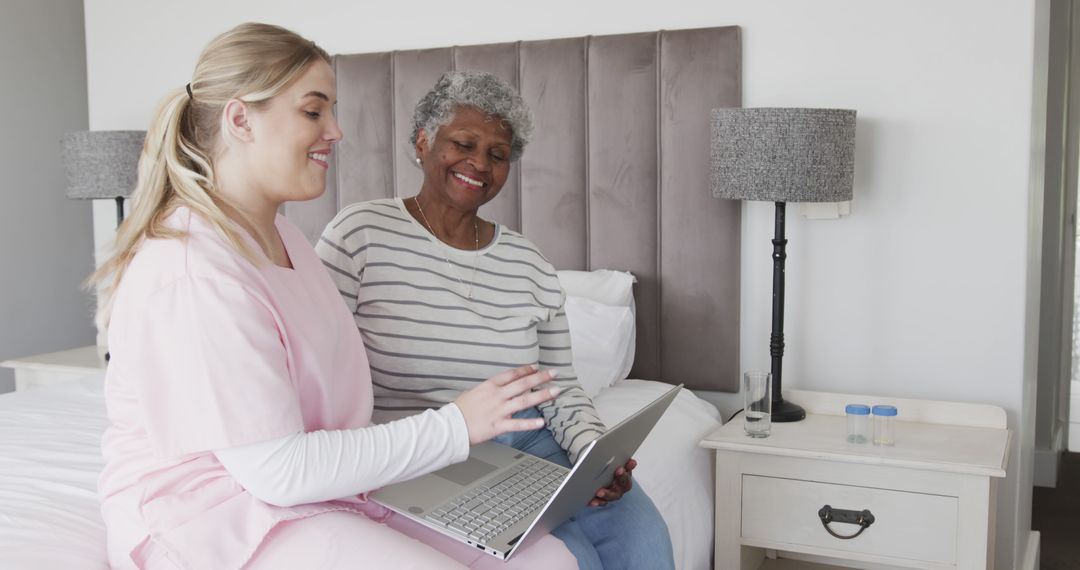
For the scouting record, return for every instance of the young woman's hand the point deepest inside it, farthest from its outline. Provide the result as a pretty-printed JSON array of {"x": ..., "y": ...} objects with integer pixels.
[{"x": 487, "y": 407}]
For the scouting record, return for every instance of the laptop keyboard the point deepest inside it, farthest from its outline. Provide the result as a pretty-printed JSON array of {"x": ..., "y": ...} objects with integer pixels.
[{"x": 494, "y": 505}]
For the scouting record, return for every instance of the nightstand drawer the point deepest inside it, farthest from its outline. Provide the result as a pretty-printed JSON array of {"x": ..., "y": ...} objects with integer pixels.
[{"x": 778, "y": 513}]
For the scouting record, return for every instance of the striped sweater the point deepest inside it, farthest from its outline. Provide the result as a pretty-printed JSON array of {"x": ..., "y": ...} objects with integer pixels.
[{"x": 427, "y": 339}]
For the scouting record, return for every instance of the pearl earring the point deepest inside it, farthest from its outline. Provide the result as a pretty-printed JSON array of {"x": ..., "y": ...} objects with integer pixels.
[{"x": 418, "y": 162}]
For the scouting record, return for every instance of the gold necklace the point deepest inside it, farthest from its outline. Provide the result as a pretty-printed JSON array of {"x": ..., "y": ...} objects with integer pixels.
[{"x": 476, "y": 258}]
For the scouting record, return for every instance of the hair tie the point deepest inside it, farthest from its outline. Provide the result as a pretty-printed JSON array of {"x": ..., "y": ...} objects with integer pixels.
[{"x": 189, "y": 95}]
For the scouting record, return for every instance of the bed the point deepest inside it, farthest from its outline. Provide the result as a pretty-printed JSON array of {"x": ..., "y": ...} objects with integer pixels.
[
  {"x": 50, "y": 458},
  {"x": 615, "y": 179}
]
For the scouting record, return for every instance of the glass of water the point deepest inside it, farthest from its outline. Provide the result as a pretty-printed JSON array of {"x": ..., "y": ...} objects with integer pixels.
[{"x": 757, "y": 403}]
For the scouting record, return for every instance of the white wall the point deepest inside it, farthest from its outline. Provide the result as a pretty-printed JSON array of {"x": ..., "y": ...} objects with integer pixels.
[
  {"x": 45, "y": 239},
  {"x": 922, "y": 292}
]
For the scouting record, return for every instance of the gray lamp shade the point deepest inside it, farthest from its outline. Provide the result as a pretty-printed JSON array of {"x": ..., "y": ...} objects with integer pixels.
[
  {"x": 783, "y": 155},
  {"x": 101, "y": 164}
]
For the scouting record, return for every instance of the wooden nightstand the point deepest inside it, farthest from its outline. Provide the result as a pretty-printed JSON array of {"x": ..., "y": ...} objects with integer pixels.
[
  {"x": 47, "y": 369},
  {"x": 931, "y": 495}
]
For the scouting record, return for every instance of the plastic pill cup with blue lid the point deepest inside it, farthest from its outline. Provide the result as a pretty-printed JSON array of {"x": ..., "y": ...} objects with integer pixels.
[
  {"x": 858, "y": 423},
  {"x": 884, "y": 425}
]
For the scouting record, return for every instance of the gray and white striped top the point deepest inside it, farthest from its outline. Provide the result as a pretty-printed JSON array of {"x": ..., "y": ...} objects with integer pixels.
[{"x": 426, "y": 339}]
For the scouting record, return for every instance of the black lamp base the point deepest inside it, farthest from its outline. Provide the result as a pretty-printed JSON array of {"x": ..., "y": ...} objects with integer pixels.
[{"x": 785, "y": 411}]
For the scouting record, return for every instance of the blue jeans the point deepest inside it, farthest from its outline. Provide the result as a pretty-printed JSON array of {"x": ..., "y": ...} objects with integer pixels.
[{"x": 626, "y": 534}]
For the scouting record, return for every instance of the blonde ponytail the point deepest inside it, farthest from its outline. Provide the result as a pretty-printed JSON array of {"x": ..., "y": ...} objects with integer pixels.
[{"x": 252, "y": 63}]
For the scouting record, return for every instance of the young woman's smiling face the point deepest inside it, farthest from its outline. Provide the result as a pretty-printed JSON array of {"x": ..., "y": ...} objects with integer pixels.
[
  {"x": 293, "y": 134},
  {"x": 469, "y": 160}
]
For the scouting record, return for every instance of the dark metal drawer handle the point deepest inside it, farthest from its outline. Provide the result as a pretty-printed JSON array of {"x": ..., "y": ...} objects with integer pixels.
[{"x": 863, "y": 518}]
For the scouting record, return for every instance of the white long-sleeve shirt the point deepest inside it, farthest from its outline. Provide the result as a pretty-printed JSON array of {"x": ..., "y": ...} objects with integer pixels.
[{"x": 308, "y": 467}]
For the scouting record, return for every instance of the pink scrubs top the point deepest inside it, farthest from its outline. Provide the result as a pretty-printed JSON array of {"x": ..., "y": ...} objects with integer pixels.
[{"x": 209, "y": 351}]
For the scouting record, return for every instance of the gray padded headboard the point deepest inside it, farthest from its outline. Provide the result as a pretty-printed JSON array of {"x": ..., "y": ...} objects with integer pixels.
[{"x": 616, "y": 176}]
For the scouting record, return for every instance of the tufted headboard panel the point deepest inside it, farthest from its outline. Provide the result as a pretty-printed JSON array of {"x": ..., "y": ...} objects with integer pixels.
[{"x": 616, "y": 175}]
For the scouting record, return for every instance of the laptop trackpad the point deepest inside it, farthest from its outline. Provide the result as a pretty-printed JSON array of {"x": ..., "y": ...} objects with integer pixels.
[{"x": 466, "y": 472}]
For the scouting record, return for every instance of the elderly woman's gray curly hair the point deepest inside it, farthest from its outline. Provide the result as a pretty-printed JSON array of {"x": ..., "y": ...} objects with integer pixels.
[{"x": 478, "y": 89}]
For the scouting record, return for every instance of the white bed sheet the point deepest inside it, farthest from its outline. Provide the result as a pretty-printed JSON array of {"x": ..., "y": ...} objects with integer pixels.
[{"x": 50, "y": 457}]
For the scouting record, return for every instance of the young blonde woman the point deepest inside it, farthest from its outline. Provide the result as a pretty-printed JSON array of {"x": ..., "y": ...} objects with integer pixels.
[{"x": 238, "y": 392}]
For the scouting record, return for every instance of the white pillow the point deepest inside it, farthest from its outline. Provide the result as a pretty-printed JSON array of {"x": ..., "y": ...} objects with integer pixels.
[
  {"x": 601, "y": 312},
  {"x": 603, "y": 286}
]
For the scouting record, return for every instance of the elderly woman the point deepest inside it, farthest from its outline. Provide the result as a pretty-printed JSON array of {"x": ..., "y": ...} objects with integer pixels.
[{"x": 444, "y": 299}]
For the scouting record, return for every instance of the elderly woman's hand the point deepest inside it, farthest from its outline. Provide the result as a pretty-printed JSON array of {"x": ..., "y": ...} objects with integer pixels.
[
  {"x": 620, "y": 485},
  {"x": 487, "y": 407}
]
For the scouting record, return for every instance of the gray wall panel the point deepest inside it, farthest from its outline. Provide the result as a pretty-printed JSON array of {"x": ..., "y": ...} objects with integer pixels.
[
  {"x": 622, "y": 99},
  {"x": 365, "y": 105},
  {"x": 699, "y": 241},
  {"x": 554, "y": 191}
]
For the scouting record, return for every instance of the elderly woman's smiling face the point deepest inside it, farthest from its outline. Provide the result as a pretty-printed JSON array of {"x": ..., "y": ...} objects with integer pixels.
[{"x": 469, "y": 160}]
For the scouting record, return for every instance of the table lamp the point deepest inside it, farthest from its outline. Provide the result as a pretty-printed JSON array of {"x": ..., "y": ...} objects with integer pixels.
[
  {"x": 782, "y": 155},
  {"x": 102, "y": 164}
]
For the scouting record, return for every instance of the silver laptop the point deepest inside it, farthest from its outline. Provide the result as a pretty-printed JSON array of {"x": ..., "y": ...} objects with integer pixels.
[{"x": 500, "y": 499}]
